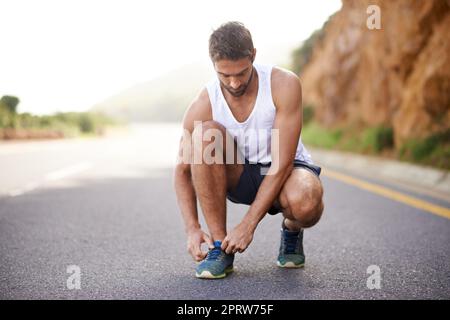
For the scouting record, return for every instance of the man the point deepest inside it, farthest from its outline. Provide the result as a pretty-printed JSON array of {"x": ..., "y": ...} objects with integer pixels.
[{"x": 275, "y": 177}]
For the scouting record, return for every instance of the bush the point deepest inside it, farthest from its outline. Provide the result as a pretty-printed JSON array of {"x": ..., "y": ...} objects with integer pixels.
[
  {"x": 27, "y": 120},
  {"x": 318, "y": 136},
  {"x": 376, "y": 139},
  {"x": 67, "y": 124},
  {"x": 435, "y": 148},
  {"x": 7, "y": 119},
  {"x": 308, "y": 114},
  {"x": 86, "y": 123}
]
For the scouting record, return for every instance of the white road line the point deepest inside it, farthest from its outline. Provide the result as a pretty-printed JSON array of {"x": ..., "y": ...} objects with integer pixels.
[
  {"x": 68, "y": 171},
  {"x": 17, "y": 192},
  {"x": 52, "y": 176}
]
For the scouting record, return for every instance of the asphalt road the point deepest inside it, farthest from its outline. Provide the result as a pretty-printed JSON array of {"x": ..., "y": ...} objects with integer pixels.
[{"x": 108, "y": 207}]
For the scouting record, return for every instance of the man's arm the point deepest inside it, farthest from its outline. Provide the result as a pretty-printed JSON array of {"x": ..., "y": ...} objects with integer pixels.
[
  {"x": 287, "y": 96},
  {"x": 199, "y": 110}
]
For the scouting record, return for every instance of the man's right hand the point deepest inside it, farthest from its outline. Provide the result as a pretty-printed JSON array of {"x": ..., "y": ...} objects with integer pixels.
[{"x": 195, "y": 239}]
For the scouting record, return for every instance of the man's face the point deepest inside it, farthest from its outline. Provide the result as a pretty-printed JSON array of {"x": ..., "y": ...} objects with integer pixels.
[{"x": 235, "y": 76}]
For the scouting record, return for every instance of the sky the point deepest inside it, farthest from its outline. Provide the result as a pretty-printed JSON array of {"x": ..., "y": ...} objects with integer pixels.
[{"x": 68, "y": 55}]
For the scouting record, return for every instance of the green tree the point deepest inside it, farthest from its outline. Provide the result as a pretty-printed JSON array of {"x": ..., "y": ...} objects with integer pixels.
[
  {"x": 8, "y": 111},
  {"x": 9, "y": 103}
]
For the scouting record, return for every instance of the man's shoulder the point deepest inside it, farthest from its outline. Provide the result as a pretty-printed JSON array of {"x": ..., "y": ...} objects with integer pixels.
[
  {"x": 202, "y": 100},
  {"x": 198, "y": 110},
  {"x": 284, "y": 84},
  {"x": 281, "y": 77}
]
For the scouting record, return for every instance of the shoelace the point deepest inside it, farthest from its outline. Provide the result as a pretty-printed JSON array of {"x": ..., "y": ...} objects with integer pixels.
[
  {"x": 290, "y": 243},
  {"x": 213, "y": 254}
]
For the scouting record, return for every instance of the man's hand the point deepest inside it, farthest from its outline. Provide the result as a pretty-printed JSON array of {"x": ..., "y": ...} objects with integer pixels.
[
  {"x": 239, "y": 238},
  {"x": 195, "y": 239}
]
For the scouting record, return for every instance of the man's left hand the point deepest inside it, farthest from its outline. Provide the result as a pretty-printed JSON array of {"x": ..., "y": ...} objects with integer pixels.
[{"x": 239, "y": 238}]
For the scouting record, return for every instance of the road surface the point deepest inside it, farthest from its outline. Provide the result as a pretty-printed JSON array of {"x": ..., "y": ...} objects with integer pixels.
[{"x": 107, "y": 207}]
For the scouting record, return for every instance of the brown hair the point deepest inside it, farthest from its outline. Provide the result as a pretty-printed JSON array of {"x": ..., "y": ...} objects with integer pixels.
[{"x": 231, "y": 41}]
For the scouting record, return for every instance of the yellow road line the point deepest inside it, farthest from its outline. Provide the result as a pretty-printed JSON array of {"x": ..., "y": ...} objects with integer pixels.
[{"x": 389, "y": 193}]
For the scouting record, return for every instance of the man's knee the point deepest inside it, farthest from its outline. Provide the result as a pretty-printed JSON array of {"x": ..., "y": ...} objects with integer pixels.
[
  {"x": 208, "y": 142},
  {"x": 206, "y": 132},
  {"x": 202, "y": 126},
  {"x": 306, "y": 210}
]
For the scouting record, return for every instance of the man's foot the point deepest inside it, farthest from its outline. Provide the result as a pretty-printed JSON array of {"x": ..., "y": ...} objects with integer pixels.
[
  {"x": 216, "y": 265},
  {"x": 291, "y": 253}
]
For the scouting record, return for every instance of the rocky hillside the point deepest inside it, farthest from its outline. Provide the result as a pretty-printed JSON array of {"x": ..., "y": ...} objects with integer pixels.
[{"x": 397, "y": 76}]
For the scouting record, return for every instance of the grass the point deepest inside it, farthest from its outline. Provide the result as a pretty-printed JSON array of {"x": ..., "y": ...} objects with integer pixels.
[
  {"x": 315, "y": 135},
  {"x": 376, "y": 139},
  {"x": 59, "y": 125},
  {"x": 433, "y": 150}
]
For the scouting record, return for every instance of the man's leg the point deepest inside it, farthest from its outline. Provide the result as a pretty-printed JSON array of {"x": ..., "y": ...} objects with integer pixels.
[
  {"x": 302, "y": 206},
  {"x": 212, "y": 180},
  {"x": 301, "y": 199}
]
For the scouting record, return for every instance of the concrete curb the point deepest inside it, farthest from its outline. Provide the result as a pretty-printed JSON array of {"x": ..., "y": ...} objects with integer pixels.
[{"x": 429, "y": 179}]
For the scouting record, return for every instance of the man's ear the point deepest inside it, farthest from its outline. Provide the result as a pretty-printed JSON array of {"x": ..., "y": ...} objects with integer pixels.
[{"x": 254, "y": 55}]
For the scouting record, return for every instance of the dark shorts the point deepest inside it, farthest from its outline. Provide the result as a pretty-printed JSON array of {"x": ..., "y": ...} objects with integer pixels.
[{"x": 252, "y": 177}]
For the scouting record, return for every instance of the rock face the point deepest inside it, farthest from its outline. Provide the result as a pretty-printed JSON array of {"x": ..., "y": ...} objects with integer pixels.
[{"x": 397, "y": 76}]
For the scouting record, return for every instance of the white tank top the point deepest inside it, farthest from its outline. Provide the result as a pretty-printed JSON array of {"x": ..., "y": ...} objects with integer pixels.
[{"x": 253, "y": 136}]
